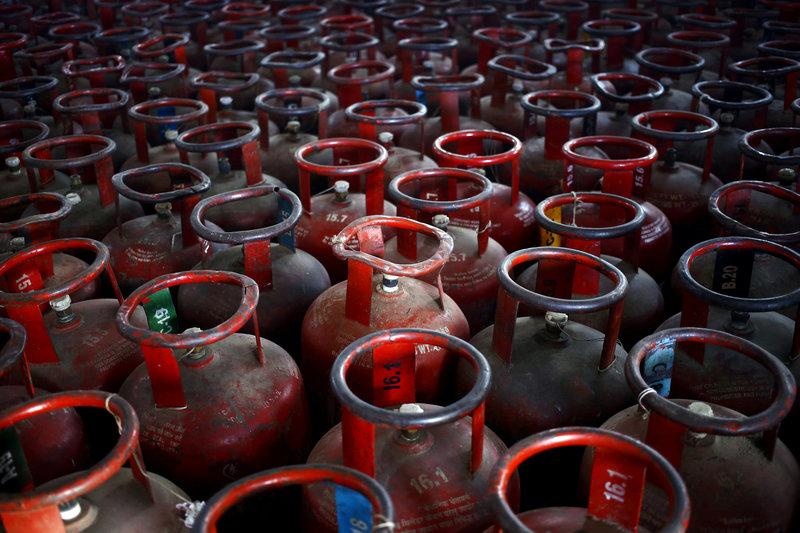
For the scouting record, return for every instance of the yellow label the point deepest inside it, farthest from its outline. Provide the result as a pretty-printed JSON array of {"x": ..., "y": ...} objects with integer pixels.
[{"x": 547, "y": 238}]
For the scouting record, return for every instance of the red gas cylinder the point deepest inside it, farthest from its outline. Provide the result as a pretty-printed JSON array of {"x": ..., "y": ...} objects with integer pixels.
[
  {"x": 708, "y": 442},
  {"x": 105, "y": 497},
  {"x": 169, "y": 78},
  {"x": 300, "y": 13},
  {"x": 15, "y": 137},
  {"x": 348, "y": 47},
  {"x": 512, "y": 210},
  {"x": 239, "y": 165},
  {"x": 447, "y": 89},
  {"x": 9, "y": 44},
  {"x": 107, "y": 12},
  {"x": 94, "y": 72},
  {"x": 647, "y": 19},
  {"x": 609, "y": 226},
  {"x": 194, "y": 23},
  {"x": 46, "y": 458},
  {"x": 165, "y": 48},
  {"x": 429, "y": 55},
  {"x": 369, "y": 302},
  {"x": 299, "y": 112},
  {"x": 289, "y": 279},
  {"x": 492, "y": 41},
  {"x": 538, "y": 24},
  {"x": 290, "y": 37},
  {"x": 243, "y": 28},
  {"x": 742, "y": 107},
  {"x": 240, "y": 55},
  {"x": 469, "y": 277},
  {"x": 542, "y": 161},
  {"x": 40, "y": 24},
  {"x": 446, "y": 452},
  {"x": 677, "y": 70},
  {"x": 101, "y": 112},
  {"x": 618, "y": 34},
  {"x": 229, "y": 95},
  {"x": 46, "y": 59},
  {"x": 74, "y": 346},
  {"x": 240, "y": 395},
  {"x": 502, "y": 108},
  {"x": 679, "y": 189},
  {"x": 712, "y": 46},
  {"x": 353, "y": 81},
  {"x": 572, "y": 78},
  {"x": 780, "y": 75},
  {"x": 87, "y": 159},
  {"x": 623, "y": 95},
  {"x": 620, "y": 467},
  {"x": 776, "y": 148},
  {"x": 150, "y": 246},
  {"x": 463, "y": 20},
  {"x": 143, "y": 12},
  {"x": 79, "y": 33},
  {"x": 326, "y": 214},
  {"x": 387, "y": 15},
  {"x": 119, "y": 40},
  {"x": 346, "y": 23},
  {"x": 623, "y": 174},
  {"x": 290, "y": 68},
  {"x": 362, "y": 503},
  {"x": 18, "y": 232},
  {"x": 404, "y": 114},
  {"x": 31, "y": 98},
  {"x": 574, "y": 12}
]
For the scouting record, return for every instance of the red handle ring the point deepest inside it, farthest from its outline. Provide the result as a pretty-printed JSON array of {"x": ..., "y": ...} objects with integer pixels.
[{"x": 734, "y": 227}]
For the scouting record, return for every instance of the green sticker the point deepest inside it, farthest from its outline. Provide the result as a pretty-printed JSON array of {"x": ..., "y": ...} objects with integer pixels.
[
  {"x": 14, "y": 473},
  {"x": 160, "y": 311}
]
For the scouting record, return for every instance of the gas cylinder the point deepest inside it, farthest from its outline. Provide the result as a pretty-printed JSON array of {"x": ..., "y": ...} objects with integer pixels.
[
  {"x": 369, "y": 302},
  {"x": 646, "y": 18},
  {"x": 73, "y": 346},
  {"x": 94, "y": 72},
  {"x": 512, "y": 210},
  {"x": 9, "y": 44},
  {"x": 469, "y": 277},
  {"x": 119, "y": 40},
  {"x": 780, "y": 75},
  {"x": 446, "y": 452},
  {"x": 353, "y": 81},
  {"x": 387, "y": 15},
  {"x": 194, "y": 23},
  {"x": 229, "y": 95},
  {"x": 492, "y": 41},
  {"x": 677, "y": 70},
  {"x": 40, "y": 24},
  {"x": 609, "y": 226},
  {"x": 150, "y": 246},
  {"x": 572, "y": 78},
  {"x": 101, "y": 112},
  {"x": 18, "y": 232},
  {"x": 239, "y": 165},
  {"x": 712, "y": 46},
  {"x": 623, "y": 95},
  {"x": 574, "y": 12},
  {"x": 617, "y": 34},
  {"x": 734, "y": 467},
  {"x": 575, "y": 371},
  {"x": 79, "y": 33},
  {"x": 170, "y": 78},
  {"x": 679, "y": 189},
  {"x": 326, "y": 214},
  {"x": 289, "y": 279},
  {"x": 87, "y": 158},
  {"x": 753, "y": 25},
  {"x": 240, "y": 55},
  {"x": 346, "y": 22},
  {"x": 742, "y": 107},
  {"x": 362, "y": 502},
  {"x": 619, "y": 468},
  {"x": 780, "y": 47},
  {"x": 423, "y": 56},
  {"x": 349, "y": 47},
  {"x": 463, "y": 20},
  {"x": 542, "y": 161},
  {"x": 412, "y": 29},
  {"x": 240, "y": 395},
  {"x": 15, "y": 137},
  {"x": 290, "y": 36},
  {"x": 143, "y": 12},
  {"x": 622, "y": 174},
  {"x": 776, "y": 148},
  {"x": 283, "y": 67},
  {"x": 369, "y": 119},
  {"x": 167, "y": 48},
  {"x": 31, "y": 98},
  {"x": 107, "y": 496},
  {"x": 46, "y": 458},
  {"x": 502, "y": 108},
  {"x": 300, "y": 13},
  {"x": 447, "y": 89},
  {"x": 46, "y": 59},
  {"x": 538, "y": 24},
  {"x": 299, "y": 112}
]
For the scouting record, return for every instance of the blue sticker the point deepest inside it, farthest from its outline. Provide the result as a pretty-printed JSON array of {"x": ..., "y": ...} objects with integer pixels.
[
  {"x": 285, "y": 208},
  {"x": 353, "y": 511},
  {"x": 658, "y": 366},
  {"x": 165, "y": 112},
  {"x": 421, "y": 97}
]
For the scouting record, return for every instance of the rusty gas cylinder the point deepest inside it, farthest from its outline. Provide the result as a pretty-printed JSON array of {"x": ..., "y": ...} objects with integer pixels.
[
  {"x": 617, "y": 34},
  {"x": 287, "y": 68},
  {"x": 229, "y": 95},
  {"x": 708, "y": 443},
  {"x": 780, "y": 75},
  {"x": 370, "y": 119},
  {"x": 424, "y": 56},
  {"x": 679, "y": 189},
  {"x": 485, "y": 150},
  {"x": 105, "y": 497},
  {"x": 542, "y": 161},
  {"x": 86, "y": 160},
  {"x": 501, "y": 107},
  {"x": 572, "y": 78},
  {"x": 776, "y": 148},
  {"x": 623, "y": 174},
  {"x": 620, "y": 467},
  {"x": 362, "y": 503},
  {"x": 240, "y": 395},
  {"x": 299, "y": 112},
  {"x": 739, "y": 108},
  {"x": 15, "y": 179},
  {"x": 326, "y": 214},
  {"x": 469, "y": 277},
  {"x": 150, "y": 246},
  {"x": 33, "y": 96},
  {"x": 55, "y": 445},
  {"x": 101, "y": 111},
  {"x": 288, "y": 278},
  {"x": 18, "y": 232},
  {"x": 608, "y": 226},
  {"x": 677, "y": 70},
  {"x": 431, "y": 459},
  {"x": 352, "y": 81},
  {"x": 624, "y": 95},
  {"x": 235, "y": 145},
  {"x": 70, "y": 346},
  {"x": 94, "y": 72},
  {"x": 140, "y": 77},
  {"x": 549, "y": 371},
  {"x": 369, "y": 301}
]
